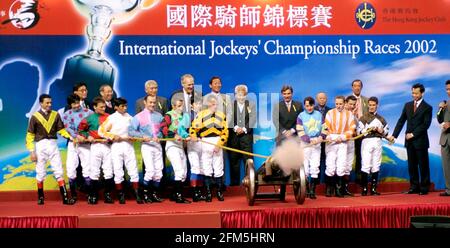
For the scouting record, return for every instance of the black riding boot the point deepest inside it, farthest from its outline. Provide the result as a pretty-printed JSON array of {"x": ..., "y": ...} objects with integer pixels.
[
  {"x": 208, "y": 182},
  {"x": 312, "y": 188},
  {"x": 179, "y": 193},
  {"x": 40, "y": 196},
  {"x": 364, "y": 181},
  {"x": 220, "y": 186},
  {"x": 109, "y": 186},
  {"x": 120, "y": 193},
  {"x": 137, "y": 193},
  {"x": 154, "y": 194},
  {"x": 93, "y": 192},
  {"x": 65, "y": 196},
  {"x": 73, "y": 190},
  {"x": 373, "y": 189},
  {"x": 339, "y": 187},
  {"x": 345, "y": 190},
  {"x": 329, "y": 186}
]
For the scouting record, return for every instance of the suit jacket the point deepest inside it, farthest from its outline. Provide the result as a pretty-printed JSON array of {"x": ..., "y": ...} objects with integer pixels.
[
  {"x": 161, "y": 105},
  {"x": 417, "y": 124},
  {"x": 87, "y": 104},
  {"x": 110, "y": 110},
  {"x": 324, "y": 111},
  {"x": 444, "y": 116},
  {"x": 365, "y": 105},
  {"x": 248, "y": 121},
  {"x": 284, "y": 119},
  {"x": 179, "y": 93}
]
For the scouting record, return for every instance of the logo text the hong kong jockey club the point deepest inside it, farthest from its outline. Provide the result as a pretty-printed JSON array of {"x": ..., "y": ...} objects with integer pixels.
[
  {"x": 203, "y": 16},
  {"x": 23, "y": 14}
]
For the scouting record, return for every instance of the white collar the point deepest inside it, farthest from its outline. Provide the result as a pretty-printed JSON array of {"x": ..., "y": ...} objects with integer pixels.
[
  {"x": 419, "y": 102},
  {"x": 185, "y": 93}
]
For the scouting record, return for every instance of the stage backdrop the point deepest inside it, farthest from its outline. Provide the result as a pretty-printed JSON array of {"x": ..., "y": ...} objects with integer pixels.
[{"x": 48, "y": 45}]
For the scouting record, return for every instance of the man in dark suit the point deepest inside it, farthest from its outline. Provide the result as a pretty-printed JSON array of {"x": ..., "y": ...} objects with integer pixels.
[
  {"x": 240, "y": 132},
  {"x": 188, "y": 94},
  {"x": 151, "y": 88},
  {"x": 284, "y": 114},
  {"x": 443, "y": 118},
  {"x": 107, "y": 93},
  {"x": 81, "y": 90},
  {"x": 417, "y": 114}
]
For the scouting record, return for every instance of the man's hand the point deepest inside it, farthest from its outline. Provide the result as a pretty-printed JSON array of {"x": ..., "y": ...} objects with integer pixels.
[
  {"x": 390, "y": 138},
  {"x": 409, "y": 136},
  {"x": 442, "y": 105},
  {"x": 194, "y": 138},
  {"x": 445, "y": 125},
  {"x": 216, "y": 149},
  {"x": 80, "y": 139},
  {"x": 146, "y": 139},
  {"x": 178, "y": 137},
  {"x": 239, "y": 130},
  {"x": 319, "y": 139},
  {"x": 380, "y": 130},
  {"x": 33, "y": 156},
  {"x": 116, "y": 138},
  {"x": 287, "y": 133},
  {"x": 90, "y": 139}
]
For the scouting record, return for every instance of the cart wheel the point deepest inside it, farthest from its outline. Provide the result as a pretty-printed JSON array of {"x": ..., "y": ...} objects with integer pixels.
[
  {"x": 299, "y": 184},
  {"x": 249, "y": 182},
  {"x": 282, "y": 192}
]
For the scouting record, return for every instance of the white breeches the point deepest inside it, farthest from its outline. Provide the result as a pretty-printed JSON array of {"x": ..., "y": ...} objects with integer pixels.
[
  {"x": 212, "y": 162},
  {"x": 75, "y": 155},
  {"x": 336, "y": 159},
  {"x": 371, "y": 149},
  {"x": 311, "y": 162},
  {"x": 177, "y": 157},
  {"x": 100, "y": 158},
  {"x": 123, "y": 153},
  {"x": 350, "y": 157},
  {"x": 154, "y": 165},
  {"x": 194, "y": 151},
  {"x": 47, "y": 151}
]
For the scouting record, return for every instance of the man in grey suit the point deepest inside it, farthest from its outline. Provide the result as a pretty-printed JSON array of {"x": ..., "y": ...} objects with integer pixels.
[
  {"x": 188, "y": 94},
  {"x": 443, "y": 118},
  {"x": 151, "y": 88},
  {"x": 361, "y": 109}
]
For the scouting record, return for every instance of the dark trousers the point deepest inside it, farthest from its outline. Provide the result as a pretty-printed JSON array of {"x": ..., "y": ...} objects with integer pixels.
[
  {"x": 445, "y": 153},
  {"x": 418, "y": 162},
  {"x": 358, "y": 143},
  {"x": 323, "y": 159},
  {"x": 235, "y": 158}
]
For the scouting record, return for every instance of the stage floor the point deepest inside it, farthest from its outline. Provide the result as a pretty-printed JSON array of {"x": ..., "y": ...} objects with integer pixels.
[{"x": 221, "y": 214}]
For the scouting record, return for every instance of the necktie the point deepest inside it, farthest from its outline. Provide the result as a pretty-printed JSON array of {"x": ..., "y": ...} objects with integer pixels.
[
  {"x": 415, "y": 106},
  {"x": 288, "y": 105}
]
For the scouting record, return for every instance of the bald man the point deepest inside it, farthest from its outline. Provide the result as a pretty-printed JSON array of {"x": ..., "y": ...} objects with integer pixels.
[
  {"x": 321, "y": 106},
  {"x": 151, "y": 88}
]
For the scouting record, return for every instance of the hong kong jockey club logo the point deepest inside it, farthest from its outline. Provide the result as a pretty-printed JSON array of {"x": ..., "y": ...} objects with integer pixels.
[
  {"x": 365, "y": 15},
  {"x": 23, "y": 14}
]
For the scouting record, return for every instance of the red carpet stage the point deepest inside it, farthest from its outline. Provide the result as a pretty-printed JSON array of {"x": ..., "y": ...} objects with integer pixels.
[{"x": 19, "y": 209}]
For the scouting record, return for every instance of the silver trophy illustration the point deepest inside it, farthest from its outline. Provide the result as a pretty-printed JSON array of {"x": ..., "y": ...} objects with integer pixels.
[{"x": 92, "y": 68}]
